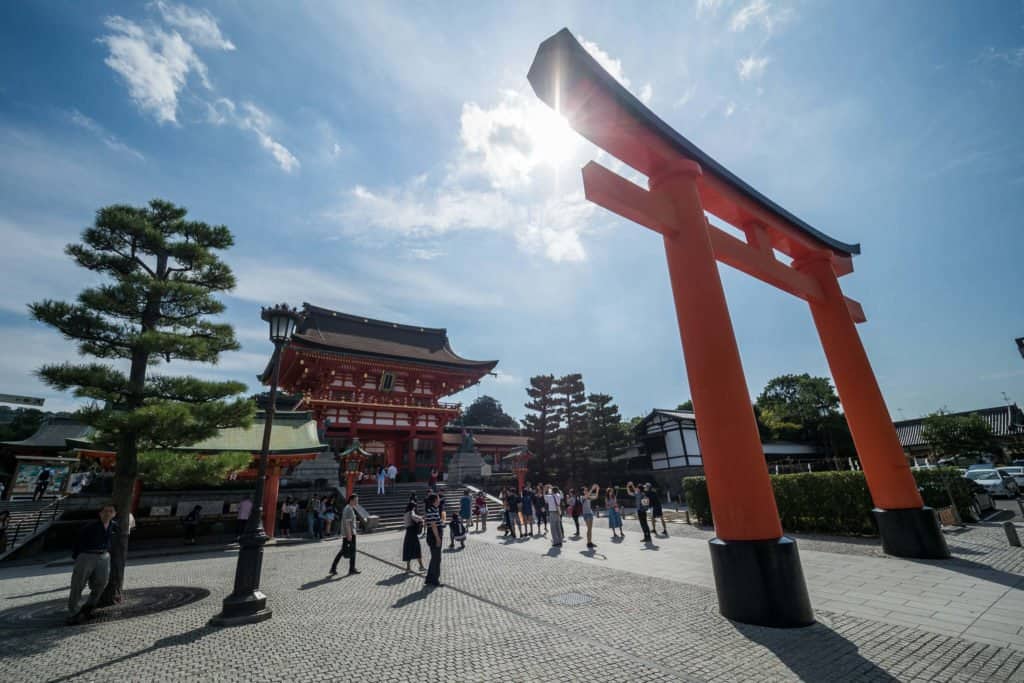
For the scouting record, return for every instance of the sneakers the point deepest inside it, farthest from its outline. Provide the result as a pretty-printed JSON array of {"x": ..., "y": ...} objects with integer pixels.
[
  {"x": 332, "y": 572},
  {"x": 353, "y": 571}
]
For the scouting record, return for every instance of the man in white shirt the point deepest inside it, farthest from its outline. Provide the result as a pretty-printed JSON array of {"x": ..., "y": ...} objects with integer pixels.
[
  {"x": 244, "y": 511},
  {"x": 392, "y": 475},
  {"x": 553, "y": 498}
]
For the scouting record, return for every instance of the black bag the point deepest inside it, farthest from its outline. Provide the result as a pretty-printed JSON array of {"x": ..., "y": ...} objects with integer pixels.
[{"x": 346, "y": 548}]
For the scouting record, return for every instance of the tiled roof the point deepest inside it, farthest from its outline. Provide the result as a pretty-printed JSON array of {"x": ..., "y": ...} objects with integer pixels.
[
  {"x": 293, "y": 432},
  {"x": 1004, "y": 420},
  {"x": 54, "y": 433},
  {"x": 330, "y": 330}
]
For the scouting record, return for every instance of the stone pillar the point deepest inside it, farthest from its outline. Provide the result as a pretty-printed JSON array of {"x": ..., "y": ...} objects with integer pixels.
[{"x": 758, "y": 575}]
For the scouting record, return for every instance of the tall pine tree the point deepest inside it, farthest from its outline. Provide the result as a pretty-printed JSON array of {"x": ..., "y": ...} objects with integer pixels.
[
  {"x": 607, "y": 438},
  {"x": 542, "y": 426},
  {"x": 160, "y": 276},
  {"x": 571, "y": 399}
]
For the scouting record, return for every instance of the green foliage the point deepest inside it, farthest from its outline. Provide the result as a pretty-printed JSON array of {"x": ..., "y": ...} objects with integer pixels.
[
  {"x": 606, "y": 434},
  {"x": 542, "y": 426},
  {"x": 685, "y": 405},
  {"x": 835, "y": 502},
  {"x": 24, "y": 422},
  {"x": 486, "y": 411},
  {"x": 178, "y": 470},
  {"x": 571, "y": 402},
  {"x": 793, "y": 406},
  {"x": 952, "y": 436}
]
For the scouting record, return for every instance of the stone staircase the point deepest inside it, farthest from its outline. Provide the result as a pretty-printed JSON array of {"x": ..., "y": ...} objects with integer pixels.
[
  {"x": 28, "y": 519},
  {"x": 391, "y": 506}
]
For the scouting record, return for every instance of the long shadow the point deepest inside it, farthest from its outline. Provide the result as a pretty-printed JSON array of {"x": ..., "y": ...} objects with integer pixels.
[
  {"x": 396, "y": 579},
  {"x": 170, "y": 641},
  {"x": 975, "y": 570},
  {"x": 649, "y": 545},
  {"x": 422, "y": 593},
  {"x": 815, "y": 653},
  {"x": 320, "y": 582},
  {"x": 593, "y": 554},
  {"x": 553, "y": 552}
]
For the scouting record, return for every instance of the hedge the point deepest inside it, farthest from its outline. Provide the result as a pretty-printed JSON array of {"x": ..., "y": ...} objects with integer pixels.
[{"x": 836, "y": 502}]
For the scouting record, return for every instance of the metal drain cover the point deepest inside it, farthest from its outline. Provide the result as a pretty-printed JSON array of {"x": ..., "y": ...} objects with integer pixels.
[{"x": 572, "y": 599}]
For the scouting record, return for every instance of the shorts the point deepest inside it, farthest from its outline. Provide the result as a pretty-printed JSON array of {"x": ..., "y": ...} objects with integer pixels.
[{"x": 587, "y": 516}]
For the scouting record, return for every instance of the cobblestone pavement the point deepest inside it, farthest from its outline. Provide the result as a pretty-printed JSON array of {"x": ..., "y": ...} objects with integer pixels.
[{"x": 499, "y": 617}]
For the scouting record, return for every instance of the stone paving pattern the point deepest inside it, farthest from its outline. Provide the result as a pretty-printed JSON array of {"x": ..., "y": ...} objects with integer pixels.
[{"x": 496, "y": 619}]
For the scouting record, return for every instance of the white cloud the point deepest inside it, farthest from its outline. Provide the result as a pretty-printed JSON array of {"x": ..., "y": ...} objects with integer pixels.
[
  {"x": 425, "y": 254},
  {"x": 42, "y": 270},
  {"x": 708, "y": 6},
  {"x": 759, "y": 12},
  {"x": 156, "y": 65},
  {"x": 255, "y": 120},
  {"x": 198, "y": 25},
  {"x": 109, "y": 139},
  {"x": 646, "y": 93},
  {"x": 687, "y": 95},
  {"x": 730, "y": 109},
  {"x": 608, "y": 63},
  {"x": 416, "y": 211},
  {"x": 752, "y": 68},
  {"x": 1013, "y": 56}
]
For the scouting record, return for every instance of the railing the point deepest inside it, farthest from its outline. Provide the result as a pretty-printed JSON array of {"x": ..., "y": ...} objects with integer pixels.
[{"x": 28, "y": 525}]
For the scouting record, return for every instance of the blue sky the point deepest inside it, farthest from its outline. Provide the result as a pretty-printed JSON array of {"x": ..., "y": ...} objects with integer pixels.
[{"x": 390, "y": 160}]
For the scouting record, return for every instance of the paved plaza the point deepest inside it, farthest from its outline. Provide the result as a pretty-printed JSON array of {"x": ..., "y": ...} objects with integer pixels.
[{"x": 521, "y": 611}]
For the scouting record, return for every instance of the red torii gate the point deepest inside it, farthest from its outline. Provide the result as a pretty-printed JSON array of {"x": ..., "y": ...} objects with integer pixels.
[{"x": 757, "y": 570}]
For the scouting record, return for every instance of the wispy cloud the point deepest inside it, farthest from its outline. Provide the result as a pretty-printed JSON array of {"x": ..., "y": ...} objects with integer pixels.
[
  {"x": 1011, "y": 56},
  {"x": 157, "y": 63},
  {"x": 199, "y": 26},
  {"x": 752, "y": 68},
  {"x": 708, "y": 6},
  {"x": 759, "y": 13},
  {"x": 730, "y": 109},
  {"x": 108, "y": 138}
]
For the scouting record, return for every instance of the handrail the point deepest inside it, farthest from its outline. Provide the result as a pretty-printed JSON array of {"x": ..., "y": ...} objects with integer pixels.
[{"x": 22, "y": 530}]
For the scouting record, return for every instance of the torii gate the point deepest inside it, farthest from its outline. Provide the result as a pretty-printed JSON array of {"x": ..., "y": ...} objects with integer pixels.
[{"x": 757, "y": 570}]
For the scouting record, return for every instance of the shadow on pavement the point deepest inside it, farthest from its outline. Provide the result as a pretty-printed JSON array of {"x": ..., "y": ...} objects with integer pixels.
[
  {"x": 413, "y": 597},
  {"x": 171, "y": 641},
  {"x": 320, "y": 582},
  {"x": 553, "y": 552},
  {"x": 815, "y": 653},
  {"x": 397, "y": 579},
  {"x": 975, "y": 570},
  {"x": 593, "y": 554},
  {"x": 63, "y": 589}
]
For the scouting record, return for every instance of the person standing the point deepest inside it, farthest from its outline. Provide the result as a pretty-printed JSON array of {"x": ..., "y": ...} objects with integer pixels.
[
  {"x": 642, "y": 503},
  {"x": 586, "y": 498},
  {"x": 392, "y": 473},
  {"x": 527, "y": 510},
  {"x": 288, "y": 512},
  {"x": 465, "y": 506},
  {"x": 540, "y": 509},
  {"x": 411, "y": 549},
  {"x": 480, "y": 510},
  {"x": 575, "y": 506},
  {"x": 42, "y": 482},
  {"x": 656, "y": 511},
  {"x": 313, "y": 508},
  {"x": 91, "y": 553},
  {"x": 553, "y": 501},
  {"x": 4, "y": 517},
  {"x": 191, "y": 523},
  {"x": 244, "y": 511},
  {"x": 381, "y": 477},
  {"x": 614, "y": 513},
  {"x": 432, "y": 520},
  {"x": 328, "y": 516},
  {"x": 349, "y": 517},
  {"x": 432, "y": 481},
  {"x": 457, "y": 532}
]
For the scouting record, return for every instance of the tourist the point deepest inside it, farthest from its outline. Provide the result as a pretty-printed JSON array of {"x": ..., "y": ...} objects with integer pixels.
[
  {"x": 411, "y": 549},
  {"x": 313, "y": 507},
  {"x": 288, "y": 512},
  {"x": 465, "y": 505},
  {"x": 527, "y": 510},
  {"x": 432, "y": 481},
  {"x": 480, "y": 510},
  {"x": 349, "y": 517},
  {"x": 327, "y": 516},
  {"x": 641, "y": 502},
  {"x": 432, "y": 520},
  {"x": 392, "y": 473},
  {"x": 191, "y": 523},
  {"x": 611, "y": 503},
  {"x": 381, "y": 477},
  {"x": 457, "y": 531},
  {"x": 42, "y": 481},
  {"x": 91, "y": 553},
  {"x": 510, "y": 512},
  {"x": 540, "y": 508},
  {"x": 656, "y": 511},
  {"x": 5, "y": 515},
  {"x": 244, "y": 511},
  {"x": 3, "y": 487},
  {"x": 587, "y": 511},
  {"x": 553, "y": 502},
  {"x": 574, "y": 504}
]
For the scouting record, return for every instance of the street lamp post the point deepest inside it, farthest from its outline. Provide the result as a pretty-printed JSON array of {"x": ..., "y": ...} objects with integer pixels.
[{"x": 247, "y": 604}]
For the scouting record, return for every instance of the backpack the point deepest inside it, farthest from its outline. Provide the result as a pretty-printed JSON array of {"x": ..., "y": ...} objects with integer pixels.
[{"x": 577, "y": 507}]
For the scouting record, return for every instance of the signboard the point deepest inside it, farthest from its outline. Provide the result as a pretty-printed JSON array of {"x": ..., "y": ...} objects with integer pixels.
[
  {"x": 160, "y": 511},
  {"x": 28, "y": 474},
  {"x": 21, "y": 400},
  {"x": 211, "y": 508}
]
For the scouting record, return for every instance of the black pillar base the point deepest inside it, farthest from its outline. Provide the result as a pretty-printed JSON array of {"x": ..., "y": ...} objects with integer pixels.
[
  {"x": 913, "y": 532},
  {"x": 243, "y": 609},
  {"x": 247, "y": 604},
  {"x": 761, "y": 582}
]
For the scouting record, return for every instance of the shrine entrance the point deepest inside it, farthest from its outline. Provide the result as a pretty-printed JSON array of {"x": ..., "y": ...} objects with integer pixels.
[{"x": 757, "y": 569}]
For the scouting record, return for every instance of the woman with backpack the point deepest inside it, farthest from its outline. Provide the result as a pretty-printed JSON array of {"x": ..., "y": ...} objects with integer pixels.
[{"x": 411, "y": 549}]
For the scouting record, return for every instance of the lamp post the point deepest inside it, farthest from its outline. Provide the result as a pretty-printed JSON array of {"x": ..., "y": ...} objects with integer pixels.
[{"x": 247, "y": 604}]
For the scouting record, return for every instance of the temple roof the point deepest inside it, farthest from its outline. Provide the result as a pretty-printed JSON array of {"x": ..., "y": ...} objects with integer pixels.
[
  {"x": 53, "y": 434},
  {"x": 340, "y": 332},
  {"x": 293, "y": 432},
  {"x": 1004, "y": 421}
]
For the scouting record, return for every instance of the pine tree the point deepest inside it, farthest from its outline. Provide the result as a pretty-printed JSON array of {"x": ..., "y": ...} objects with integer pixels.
[
  {"x": 607, "y": 437},
  {"x": 543, "y": 426},
  {"x": 486, "y": 411},
  {"x": 160, "y": 276},
  {"x": 571, "y": 399}
]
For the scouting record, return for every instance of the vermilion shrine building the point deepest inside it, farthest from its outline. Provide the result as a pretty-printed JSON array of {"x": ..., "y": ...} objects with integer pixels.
[{"x": 380, "y": 382}]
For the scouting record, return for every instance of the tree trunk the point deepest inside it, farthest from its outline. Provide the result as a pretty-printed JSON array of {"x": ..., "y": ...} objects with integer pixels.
[{"x": 125, "y": 473}]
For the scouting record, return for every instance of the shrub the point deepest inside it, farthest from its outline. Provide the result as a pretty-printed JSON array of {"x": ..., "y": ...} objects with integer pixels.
[
  {"x": 178, "y": 470},
  {"x": 835, "y": 502}
]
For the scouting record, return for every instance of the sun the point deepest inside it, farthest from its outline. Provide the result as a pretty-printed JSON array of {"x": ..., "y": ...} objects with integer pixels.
[{"x": 553, "y": 141}]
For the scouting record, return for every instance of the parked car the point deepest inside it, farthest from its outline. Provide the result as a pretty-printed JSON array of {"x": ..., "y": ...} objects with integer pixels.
[
  {"x": 980, "y": 466},
  {"x": 1015, "y": 471},
  {"x": 995, "y": 482}
]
